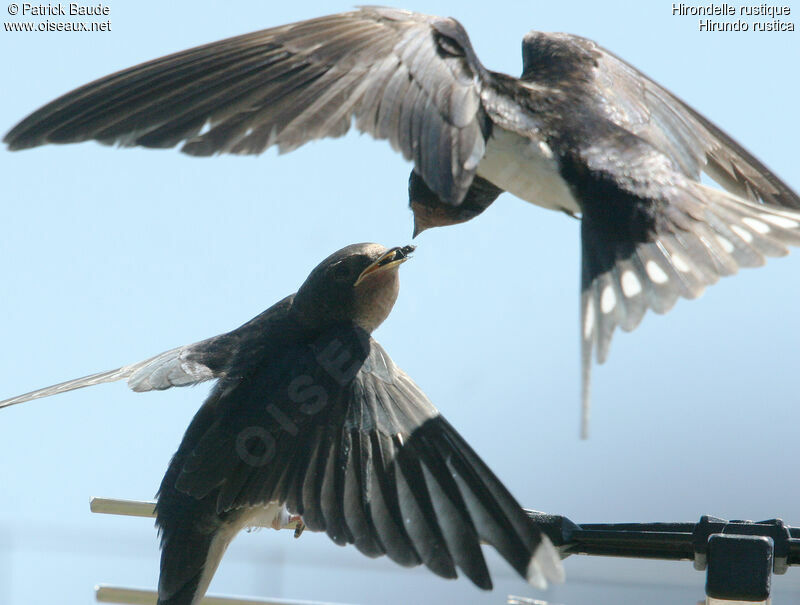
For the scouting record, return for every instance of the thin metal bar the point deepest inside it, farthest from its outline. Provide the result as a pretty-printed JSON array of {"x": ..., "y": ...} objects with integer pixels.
[
  {"x": 629, "y": 543},
  {"x": 517, "y": 600},
  {"x": 668, "y": 541},
  {"x": 138, "y": 596},
  {"x": 131, "y": 508},
  {"x": 141, "y": 508}
]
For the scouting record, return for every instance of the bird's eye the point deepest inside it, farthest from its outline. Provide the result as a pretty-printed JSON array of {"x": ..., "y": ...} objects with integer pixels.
[{"x": 448, "y": 46}]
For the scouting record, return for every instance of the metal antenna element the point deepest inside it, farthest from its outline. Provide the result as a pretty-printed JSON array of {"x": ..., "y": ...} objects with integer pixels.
[
  {"x": 136, "y": 596},
  {"x": 739, "y": 557}
]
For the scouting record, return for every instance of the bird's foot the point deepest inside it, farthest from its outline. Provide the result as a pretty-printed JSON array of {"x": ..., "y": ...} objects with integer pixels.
[{"x": 299, "y": 525}]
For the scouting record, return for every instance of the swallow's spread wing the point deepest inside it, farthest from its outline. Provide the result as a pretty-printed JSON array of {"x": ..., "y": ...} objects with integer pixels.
[
  {"x": 637, "y": 104},
  {"x": 344, "y": 438},
  {"x": 403, "y": 76},
  {"x": 182, "y": 366}
]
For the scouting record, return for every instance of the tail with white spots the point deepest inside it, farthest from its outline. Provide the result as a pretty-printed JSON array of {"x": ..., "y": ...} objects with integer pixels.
[{"x": 698, "y": 236}]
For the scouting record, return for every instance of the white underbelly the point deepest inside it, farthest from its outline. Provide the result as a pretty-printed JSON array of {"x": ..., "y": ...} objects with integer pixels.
[
  {"x": 267, "y": 516},
  {"x": 527, "y": 169}
]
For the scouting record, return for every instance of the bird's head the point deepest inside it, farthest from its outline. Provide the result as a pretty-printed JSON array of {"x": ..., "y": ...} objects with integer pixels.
[
  {"x": 437, "y": 214},
  {"x": 554, "y": 60},
  {"x": 358, "y": 283},
  {"x": 430, "y": 211}
]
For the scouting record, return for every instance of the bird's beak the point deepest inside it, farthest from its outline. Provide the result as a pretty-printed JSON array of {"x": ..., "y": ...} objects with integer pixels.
[{"x": 392, "y": 258}]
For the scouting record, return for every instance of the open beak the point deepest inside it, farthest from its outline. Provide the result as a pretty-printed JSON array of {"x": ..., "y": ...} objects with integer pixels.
[{"x": 392, "y": 258}]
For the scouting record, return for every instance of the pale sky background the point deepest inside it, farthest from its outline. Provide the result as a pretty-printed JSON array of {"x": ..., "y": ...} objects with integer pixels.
[{"x": 108, "y": 256}]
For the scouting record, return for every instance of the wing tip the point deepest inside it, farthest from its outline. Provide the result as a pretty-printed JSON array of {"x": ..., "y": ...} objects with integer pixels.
[
  {"x": 14, "y": 142},
  {"x": 12, "y": 401}
]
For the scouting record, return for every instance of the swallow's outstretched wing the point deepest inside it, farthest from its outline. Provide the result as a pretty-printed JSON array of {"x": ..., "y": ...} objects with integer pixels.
[
  {"x": 634, "y": 102},
  {"x": 410, "y": 78},
  {"x": 182, "y": 366},
  {"x": 341, "y": 436}
]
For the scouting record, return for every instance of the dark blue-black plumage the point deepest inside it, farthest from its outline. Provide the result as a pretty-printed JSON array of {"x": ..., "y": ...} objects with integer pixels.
[
  {"x": 580, "y": 131},
  {"x": 311, "y": 417}
]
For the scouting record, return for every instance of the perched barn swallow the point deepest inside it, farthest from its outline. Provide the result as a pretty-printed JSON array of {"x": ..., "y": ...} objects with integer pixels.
[
  {"x": 311, "y": 417},
  {"x": 580, "y": 131}
]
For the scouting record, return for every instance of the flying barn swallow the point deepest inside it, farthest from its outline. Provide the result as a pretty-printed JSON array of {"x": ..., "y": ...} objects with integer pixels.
[{"x": 580, "y": 131}]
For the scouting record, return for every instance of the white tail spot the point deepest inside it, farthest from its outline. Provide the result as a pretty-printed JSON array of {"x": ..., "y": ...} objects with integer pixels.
[
  {"x": 725, "y": 243},
  {"x": 630, "y": 284},
  {"x": 756, "y": 225},
  {"x": 680, "y": 264},
  {"x": 655, "y": 272},
  {"x": 608, "y": 300},
  {"x": 743, "y": 233},
  {"x": 780, "y": 221},
  {"x": 588, "y": 319}
]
